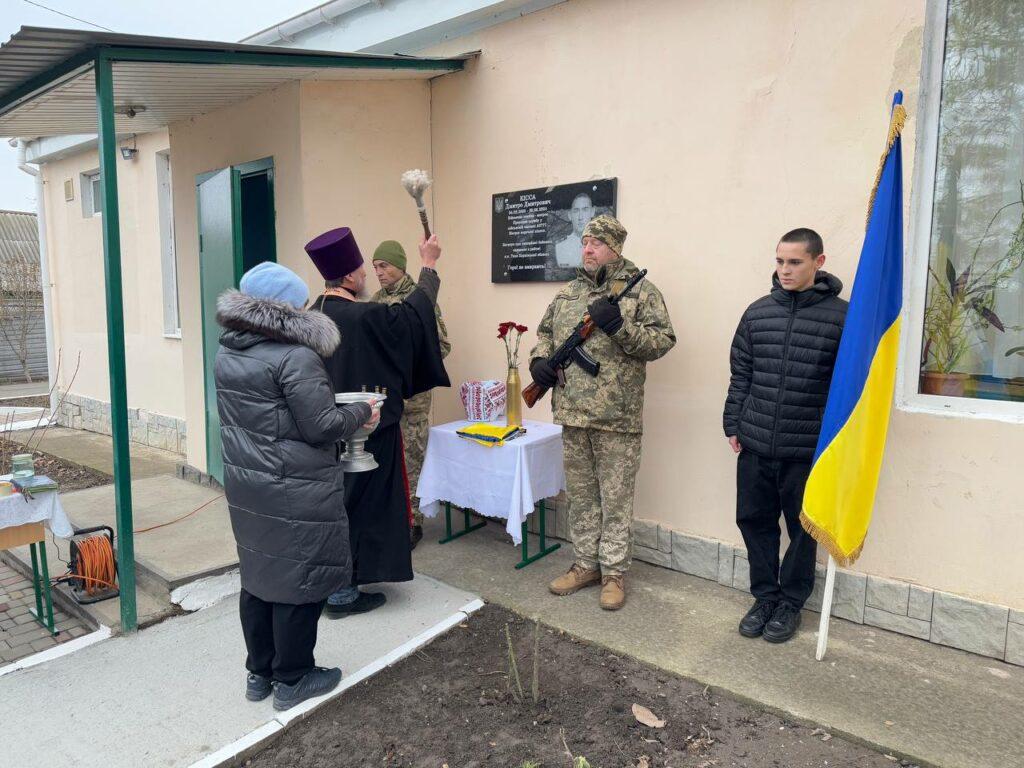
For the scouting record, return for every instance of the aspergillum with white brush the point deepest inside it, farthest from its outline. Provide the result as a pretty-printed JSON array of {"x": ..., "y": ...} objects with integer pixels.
[{"x": 416, "y": 183}]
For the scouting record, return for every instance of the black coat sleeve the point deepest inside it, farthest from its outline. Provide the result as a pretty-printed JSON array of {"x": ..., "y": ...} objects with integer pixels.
[
  {"x": 310, "y": 398},
  {"x": 741, "y": 366},
  {"x": 415, "y": 319}
]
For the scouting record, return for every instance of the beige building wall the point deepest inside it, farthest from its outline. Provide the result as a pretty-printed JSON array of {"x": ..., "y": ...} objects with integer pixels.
[
  {"x": 75, "y": 245},
  {"x": 726, "y": 124},
  {"x": 357, "y": 139},
  {"x": 264, "y": 126},
  {"x": 339, "y": 148}
]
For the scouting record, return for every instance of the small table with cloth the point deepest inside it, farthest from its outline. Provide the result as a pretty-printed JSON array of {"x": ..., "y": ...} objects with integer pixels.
[
  {"x": 502, "y": 481},
  {"x": 23, "y": 521}
]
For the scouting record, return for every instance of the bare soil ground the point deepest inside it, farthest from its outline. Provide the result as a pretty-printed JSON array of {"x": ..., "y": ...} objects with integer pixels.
[
  {"x": 69, "y": 476},
  {"x": 35, "y": 401},
  {"x": 453, "y": 705}
]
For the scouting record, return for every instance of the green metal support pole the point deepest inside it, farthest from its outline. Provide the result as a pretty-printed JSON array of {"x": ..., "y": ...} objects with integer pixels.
[{"x": 115, "y": 340}]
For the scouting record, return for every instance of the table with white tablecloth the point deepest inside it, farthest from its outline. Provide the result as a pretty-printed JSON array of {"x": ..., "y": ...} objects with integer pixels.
[
  {"x": 42, "y": 508},
  {"x": 504, "y": 481},
  {"x": 23, "y": 520}
]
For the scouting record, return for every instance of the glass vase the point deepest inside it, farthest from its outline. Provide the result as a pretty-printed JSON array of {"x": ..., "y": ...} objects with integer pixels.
[
  {"x": 513, "y": 399},
  {"x": 22, "y": 466}
]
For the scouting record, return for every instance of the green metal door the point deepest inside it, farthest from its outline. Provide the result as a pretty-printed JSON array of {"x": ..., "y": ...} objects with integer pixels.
[{"x": 220, "y": 268}]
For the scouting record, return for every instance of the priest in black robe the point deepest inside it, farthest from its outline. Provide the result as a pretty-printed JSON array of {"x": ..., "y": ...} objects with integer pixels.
[{"x": 394, "y": 350}]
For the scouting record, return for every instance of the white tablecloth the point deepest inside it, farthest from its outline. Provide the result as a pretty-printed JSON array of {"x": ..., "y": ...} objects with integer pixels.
[
  {"x": 504, "y": 481},
  {"x": 43, "y": 508}
]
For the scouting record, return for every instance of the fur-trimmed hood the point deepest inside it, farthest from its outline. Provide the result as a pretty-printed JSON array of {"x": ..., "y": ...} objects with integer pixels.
[{"x": 274, "y": 320}]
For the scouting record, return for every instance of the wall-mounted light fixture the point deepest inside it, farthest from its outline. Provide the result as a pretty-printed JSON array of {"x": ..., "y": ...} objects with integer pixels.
[{"x": 129, "y": 153}]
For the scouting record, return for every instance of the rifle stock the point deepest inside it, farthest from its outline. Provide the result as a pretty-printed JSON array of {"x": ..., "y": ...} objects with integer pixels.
[{"x": 532, "y": 394}]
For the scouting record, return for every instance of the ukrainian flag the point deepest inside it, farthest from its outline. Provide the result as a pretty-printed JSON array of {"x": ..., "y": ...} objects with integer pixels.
[{"x": 840, "y": 491}]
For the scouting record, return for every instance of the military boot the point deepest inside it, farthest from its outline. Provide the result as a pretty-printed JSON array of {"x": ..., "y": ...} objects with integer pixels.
[
  {"x": 574, "y": 580},
  {"x": 613, "y": 592}
]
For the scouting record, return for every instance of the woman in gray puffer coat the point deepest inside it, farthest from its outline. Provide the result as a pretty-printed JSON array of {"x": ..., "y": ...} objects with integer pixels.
[{"x": 285, "y": 488}]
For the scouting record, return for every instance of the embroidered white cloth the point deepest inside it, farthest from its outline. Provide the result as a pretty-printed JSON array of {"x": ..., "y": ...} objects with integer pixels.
[
  {"x": 504, "y": 481},
  {"x": 42, "y": 508}
]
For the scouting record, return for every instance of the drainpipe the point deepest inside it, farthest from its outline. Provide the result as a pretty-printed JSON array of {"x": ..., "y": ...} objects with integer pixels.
[{"x": 44, "y": 273}]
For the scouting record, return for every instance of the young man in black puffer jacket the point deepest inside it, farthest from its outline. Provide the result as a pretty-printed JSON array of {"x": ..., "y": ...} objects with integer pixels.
[{"x": 782, "y": 358}]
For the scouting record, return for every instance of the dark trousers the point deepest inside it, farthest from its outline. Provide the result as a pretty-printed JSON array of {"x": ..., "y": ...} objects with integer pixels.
[
  {"x": 279, "y": 637},
  {"x": 764, "y": 489}
]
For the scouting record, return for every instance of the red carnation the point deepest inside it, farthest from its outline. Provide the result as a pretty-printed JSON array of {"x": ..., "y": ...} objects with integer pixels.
[{"x": 504, "y": 333}]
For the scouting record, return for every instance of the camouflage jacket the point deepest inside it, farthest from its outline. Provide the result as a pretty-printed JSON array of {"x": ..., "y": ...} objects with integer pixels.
[
  {"x": 417, "y": 405},
  {"x": 614, "y": 399}
]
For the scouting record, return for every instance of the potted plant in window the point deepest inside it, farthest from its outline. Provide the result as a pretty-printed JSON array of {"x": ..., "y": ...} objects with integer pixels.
[{"x": 960, "y": 310}]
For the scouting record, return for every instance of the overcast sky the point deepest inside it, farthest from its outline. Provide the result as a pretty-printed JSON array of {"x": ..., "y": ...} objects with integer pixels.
[{"x": 197, "y": 19}]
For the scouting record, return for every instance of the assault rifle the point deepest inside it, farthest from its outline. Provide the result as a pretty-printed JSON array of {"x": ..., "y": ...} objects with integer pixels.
[{"x": 571, "y": 350}]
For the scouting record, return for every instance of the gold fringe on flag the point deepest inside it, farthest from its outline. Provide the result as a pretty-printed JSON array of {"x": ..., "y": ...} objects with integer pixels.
[
  {"x": 896, "y": 123},
  {"x": 824, "y": 538}
]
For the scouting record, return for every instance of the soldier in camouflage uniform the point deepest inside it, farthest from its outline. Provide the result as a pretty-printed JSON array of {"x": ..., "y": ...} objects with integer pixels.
[
  {"x": 602, "y": 416},
  {"x": 389, "y": 264}
]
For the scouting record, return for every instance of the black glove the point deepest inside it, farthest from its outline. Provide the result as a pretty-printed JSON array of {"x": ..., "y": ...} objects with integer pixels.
[
  {"x": 605, "y": 315},
  {"x": 543, "y": 373}
]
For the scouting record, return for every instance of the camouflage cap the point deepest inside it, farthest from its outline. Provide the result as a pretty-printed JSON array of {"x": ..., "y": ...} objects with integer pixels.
[{"x": 608, "y": 230}]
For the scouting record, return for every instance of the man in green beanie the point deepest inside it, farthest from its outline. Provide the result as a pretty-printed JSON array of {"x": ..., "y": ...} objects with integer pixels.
[{"x": 395, "y": 286}]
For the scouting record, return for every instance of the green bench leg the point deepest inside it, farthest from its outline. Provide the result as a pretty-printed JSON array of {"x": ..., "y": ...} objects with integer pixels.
[
  {"x": 41, "y": 587},
  {"x": 466, "y": 527},
  {"x": 544, "y": 549}
]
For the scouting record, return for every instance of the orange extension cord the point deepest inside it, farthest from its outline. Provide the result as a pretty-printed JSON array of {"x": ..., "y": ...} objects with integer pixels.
[
  {"x": 96, "y": 557},
  {"x": 95, "y": 564}
]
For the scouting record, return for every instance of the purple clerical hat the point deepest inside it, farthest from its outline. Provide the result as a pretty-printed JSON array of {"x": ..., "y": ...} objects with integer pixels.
[{"x": 335, "y": 253}]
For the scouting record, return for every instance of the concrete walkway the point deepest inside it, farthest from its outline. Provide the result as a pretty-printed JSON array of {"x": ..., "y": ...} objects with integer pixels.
[
  {"x": 172, "y": 695},
  {"x": 169, "y": 551},
  {"x": 933, "y": 705},
  {"x": 34, "y": 389}
]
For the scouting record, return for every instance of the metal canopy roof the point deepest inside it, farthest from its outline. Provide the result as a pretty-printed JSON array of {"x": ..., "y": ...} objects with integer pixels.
[{"x": 47, "y": 83}]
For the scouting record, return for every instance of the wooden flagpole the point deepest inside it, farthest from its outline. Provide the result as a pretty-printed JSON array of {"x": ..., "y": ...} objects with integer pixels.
[{"x": 826, "y": 608}]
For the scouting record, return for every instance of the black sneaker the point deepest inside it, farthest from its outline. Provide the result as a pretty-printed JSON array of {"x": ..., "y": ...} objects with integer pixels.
[
  {"x": 257, "y": 688},
  {"x": 314, "y": 683},
  {"x": 753, "y": 624},
  {"x": 415, "y": 535},
  {"x": 784, "y": 623},
  {"x": 366, "y": 602}
]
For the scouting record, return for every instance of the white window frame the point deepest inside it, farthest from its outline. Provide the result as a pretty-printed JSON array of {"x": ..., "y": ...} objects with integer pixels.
[
  {"x": 168, "y": 258},
  {"x": 88, "y": 194},
  {"x": 915, "y": 286}
]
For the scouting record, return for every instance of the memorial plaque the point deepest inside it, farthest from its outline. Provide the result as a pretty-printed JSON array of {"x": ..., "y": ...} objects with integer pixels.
[{"x": 535, "y": 233}]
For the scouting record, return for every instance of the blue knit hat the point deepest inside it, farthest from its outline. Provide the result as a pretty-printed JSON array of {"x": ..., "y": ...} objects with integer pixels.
[{"x": 272, "y": 281}]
